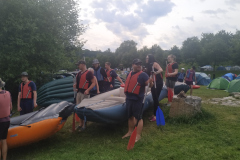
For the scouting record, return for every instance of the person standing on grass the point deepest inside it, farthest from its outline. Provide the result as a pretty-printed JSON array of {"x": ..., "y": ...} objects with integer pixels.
[
  {"x": 171, "y": 76},
  {"x": 100, "y": 74},
  {"x": 84, "y": 83},
  {"x": 5, "y": 109},
  {"x": 181, "y": 75},
  {"x": 27, "y": 96},
  {"x": 134, "y": 90},
  {"x": 190, "y": 75},
  {"x": 95, "y": 90},
  {"x": 157, "y": 73},
  {"x": 111, "y": 75}
]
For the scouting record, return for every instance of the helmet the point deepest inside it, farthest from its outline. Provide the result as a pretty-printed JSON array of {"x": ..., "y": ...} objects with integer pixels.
[{"x": 95, "y": 61}]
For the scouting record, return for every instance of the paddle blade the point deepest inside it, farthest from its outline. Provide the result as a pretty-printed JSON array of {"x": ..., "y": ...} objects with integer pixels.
[
  {"x": 160, "y": 117},
  {"x": 132, "y": 139}
]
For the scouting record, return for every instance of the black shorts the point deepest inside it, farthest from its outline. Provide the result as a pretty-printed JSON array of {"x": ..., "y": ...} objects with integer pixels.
[
  {"x": 4, "y": 129},
  {"x": 134, "y": 108},
  {"x": 190, "y": 83},
  {"x": 170, "y": 83}
]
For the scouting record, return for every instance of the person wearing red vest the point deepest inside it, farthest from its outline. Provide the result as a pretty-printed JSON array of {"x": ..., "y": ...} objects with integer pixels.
[
  {"x": 134, "y": 90},
  {"x": 154, "y": 69},
  {"x": 27, "y": 95},
  {"x": 84, "y": 83},
  {"x": 171, "y": 76},
  {"x": 5, "y": 109},
  {"x": 111, "y": 75}
]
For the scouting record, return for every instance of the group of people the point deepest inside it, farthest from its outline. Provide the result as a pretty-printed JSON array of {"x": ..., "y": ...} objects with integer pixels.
[
  {"x": 187, "y": 77},
  {"x": 92, "y": 81},
  {"x": 26, "y": 102},
  {"x": 96, "y": 80}
]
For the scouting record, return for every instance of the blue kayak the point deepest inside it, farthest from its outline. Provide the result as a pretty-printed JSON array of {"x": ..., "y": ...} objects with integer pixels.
[{"x": 109, "y": 107}]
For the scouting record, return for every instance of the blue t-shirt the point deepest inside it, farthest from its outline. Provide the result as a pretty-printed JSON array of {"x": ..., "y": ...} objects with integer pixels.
[
  {"x": 142, "y": 78},
  {"x": 32, "y": 85}
]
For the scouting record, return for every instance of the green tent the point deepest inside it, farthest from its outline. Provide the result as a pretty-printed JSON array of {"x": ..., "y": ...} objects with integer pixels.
[
  {"x": 219, "y": 83},
  {"x": 234, "y": 86}
]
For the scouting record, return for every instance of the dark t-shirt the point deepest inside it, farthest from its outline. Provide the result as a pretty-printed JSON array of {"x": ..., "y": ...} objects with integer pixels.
[
  {"x": 114, "y": 75},
  {"x": 89, "y": 77},
  {"x": 143, "y": 77},
  {"x": 174, "y": 66}
]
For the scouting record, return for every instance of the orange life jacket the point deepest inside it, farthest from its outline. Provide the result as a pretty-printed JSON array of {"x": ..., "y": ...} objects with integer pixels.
[
  {"x": 109, "y": 77},
  {"x": 131, "y": 84},
  {"x": 26, "y": 91},
  {"x": 170, "y": 70},
  {"x": 83, "y": 83},
  {"x": 5, "y": 101}
]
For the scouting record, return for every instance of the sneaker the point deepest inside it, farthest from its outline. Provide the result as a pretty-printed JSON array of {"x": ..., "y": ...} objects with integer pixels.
[{"x": 153, "y": 119}]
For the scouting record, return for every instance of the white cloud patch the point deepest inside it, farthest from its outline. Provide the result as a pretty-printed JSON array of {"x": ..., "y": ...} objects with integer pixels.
[
  {"x": 232, "y": 2},
  {"x": 190, "y": 18},
  {"x": 215, "y": 12}
]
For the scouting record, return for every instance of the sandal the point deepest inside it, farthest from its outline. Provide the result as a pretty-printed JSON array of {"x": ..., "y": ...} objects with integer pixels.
[
  {"x": 78, "y": 128},
  {"x": 153, "y": 119}
]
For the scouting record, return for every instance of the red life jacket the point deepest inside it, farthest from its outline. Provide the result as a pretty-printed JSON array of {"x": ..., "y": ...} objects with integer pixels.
[
  {"x": 83, "y": 83},
  {"x": 109, "y": 77},
  {"x": 5, "y": 101},
  {"x": 26, "y": 91},
  {"x": 131, "y": 84},
  {"x": 170, "y": 70}
]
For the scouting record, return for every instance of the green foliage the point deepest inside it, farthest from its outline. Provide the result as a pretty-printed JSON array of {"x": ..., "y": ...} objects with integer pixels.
[{"x": 38, "y": 36}]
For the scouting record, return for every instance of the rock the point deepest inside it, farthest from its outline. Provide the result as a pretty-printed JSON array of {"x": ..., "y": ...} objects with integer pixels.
[{"x": 185, "y": 106}]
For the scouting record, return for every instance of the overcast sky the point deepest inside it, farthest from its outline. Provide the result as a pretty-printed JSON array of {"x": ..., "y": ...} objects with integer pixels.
[{"x": 148, "y": 22}]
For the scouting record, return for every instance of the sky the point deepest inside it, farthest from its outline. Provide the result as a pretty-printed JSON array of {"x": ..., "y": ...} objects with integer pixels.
[{"x": 148, "y": 22}]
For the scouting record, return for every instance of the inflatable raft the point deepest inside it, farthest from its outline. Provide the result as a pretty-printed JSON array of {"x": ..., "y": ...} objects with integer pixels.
[
  {"x": 60, "y": 90},
  {"x": 109, "y": 107},
  {"x": 38, "y": 125}
]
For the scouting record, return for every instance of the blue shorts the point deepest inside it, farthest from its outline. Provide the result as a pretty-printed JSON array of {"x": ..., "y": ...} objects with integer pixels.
[
  {"x": 134, "y": 108},
  {"x": 26, "y": 105}
]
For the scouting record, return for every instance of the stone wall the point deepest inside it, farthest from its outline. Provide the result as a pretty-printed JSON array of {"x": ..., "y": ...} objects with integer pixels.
[{"x": 185, "y": 106}]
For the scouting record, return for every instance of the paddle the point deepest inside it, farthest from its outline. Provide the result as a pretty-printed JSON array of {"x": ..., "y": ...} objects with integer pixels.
[
  {"x": 159, "y": 114},
  {"x": 74, "y": 114},
  {"x": 132, "y": 139}
]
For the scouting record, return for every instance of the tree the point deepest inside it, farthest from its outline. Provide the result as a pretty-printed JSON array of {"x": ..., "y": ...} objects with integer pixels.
[
  {"x": 191, "y": 50},
  {"x": 216, "y": 48},
  {"x": 235, "y": 49},
  {"x": 126, "y": 53},
  {"x": 38, "y": 36}
]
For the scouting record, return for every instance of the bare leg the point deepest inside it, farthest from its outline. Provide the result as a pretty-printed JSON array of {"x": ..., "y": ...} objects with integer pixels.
[
  {"x": 131, "y": 125},
  {"x": 191, "y": 90},
  {"x": 4, "y": 149},
  {"x": 139, "y": 130}
]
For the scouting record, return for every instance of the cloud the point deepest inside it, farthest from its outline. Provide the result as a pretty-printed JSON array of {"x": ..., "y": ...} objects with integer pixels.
[
  {"x": 153, "y": 10},
  {"x": 190, "y": 18},
  {"x": 232, "y": 2},
  {"x": 176, "y": 27},
  {"x": 215, "y": 12}
]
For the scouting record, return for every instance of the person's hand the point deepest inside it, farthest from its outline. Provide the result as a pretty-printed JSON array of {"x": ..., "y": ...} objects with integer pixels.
[
  {"x": 111, "y": 86},
  {"x": 86, "y": 92},
  {"x": 168, "y": 74},
  {"x": 19, "y": 108},
  {"x": 74, "y": 85},
  {"x": 98, "y": 92},
  {"x": 35, "y": 105},
  {"x": 150, "y": 80},
  {"x": 154, "y": 73}
]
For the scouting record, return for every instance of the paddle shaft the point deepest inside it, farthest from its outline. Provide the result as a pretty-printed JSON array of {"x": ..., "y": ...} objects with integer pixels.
[
  {"x": 154, "y": 78},
  {"x": 31, "y": 115}
]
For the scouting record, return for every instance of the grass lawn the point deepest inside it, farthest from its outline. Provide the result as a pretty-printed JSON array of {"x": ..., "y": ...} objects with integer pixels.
[{"x": 214, "y": 134}]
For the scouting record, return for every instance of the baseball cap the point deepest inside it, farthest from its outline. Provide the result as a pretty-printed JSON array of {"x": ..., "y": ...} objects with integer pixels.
[
  {"x": 81, "y": 62},
  {"x": 183, "y": 68},
  {"x": 136, "y": 61}
]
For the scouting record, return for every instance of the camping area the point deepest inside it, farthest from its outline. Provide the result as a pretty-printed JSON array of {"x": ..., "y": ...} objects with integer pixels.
[{"x": 65, "y": 50}]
